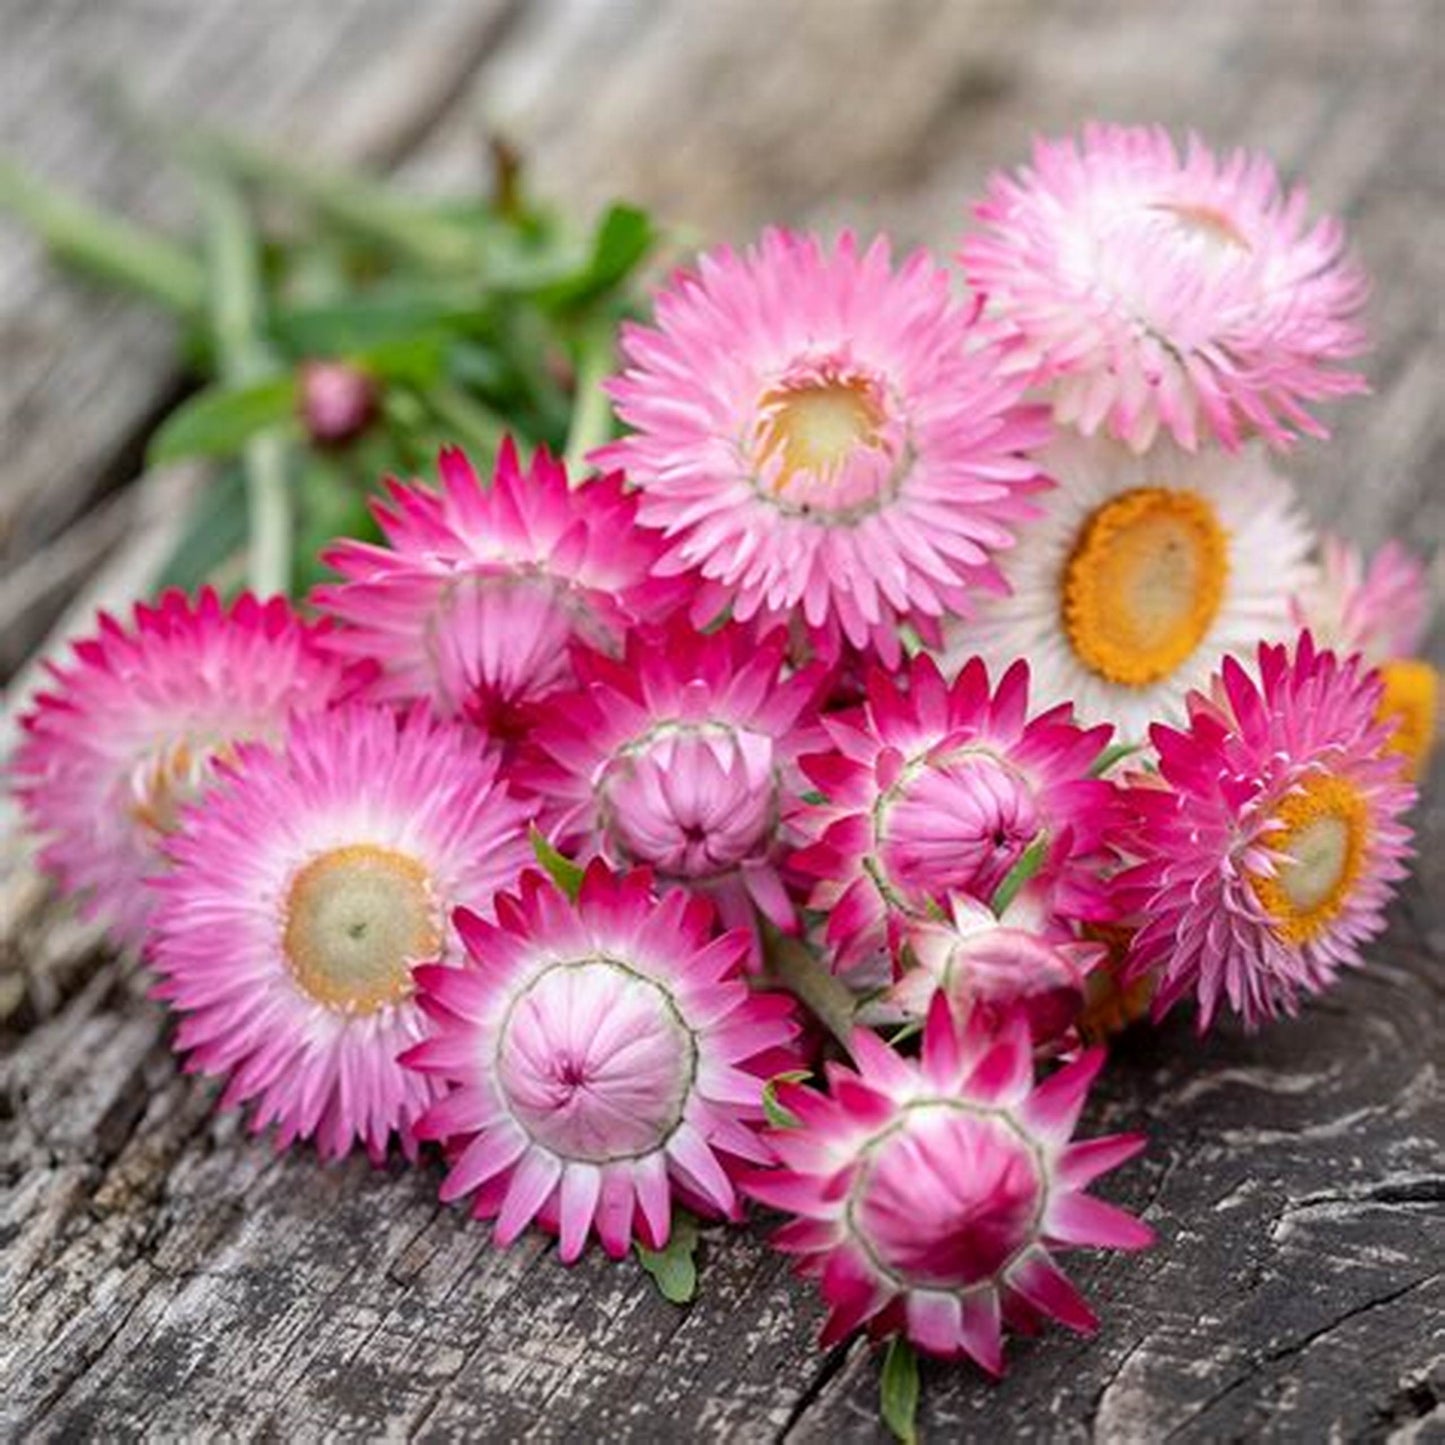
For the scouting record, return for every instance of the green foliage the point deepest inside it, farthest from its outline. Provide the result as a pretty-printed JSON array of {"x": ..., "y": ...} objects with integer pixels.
[
  {"x": 778, "y": 1116},
  {"x": 1029, "y": 863},
  {"x": 220, "y": 420},
  {"x": 1114, "y": 753},
  {"x": 674, "y": 1268},
  {"x": 898, "y": 1391},
  {"x": 557, "y": 866},
  {"x": 473, "y": 317}
]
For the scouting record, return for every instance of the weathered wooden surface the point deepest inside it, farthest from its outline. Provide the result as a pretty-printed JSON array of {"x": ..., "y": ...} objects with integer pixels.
[{"x": 160, "y": 1273}]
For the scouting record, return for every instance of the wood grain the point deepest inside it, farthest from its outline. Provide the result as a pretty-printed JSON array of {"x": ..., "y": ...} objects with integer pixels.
[{"x": 161, "y": 1273}]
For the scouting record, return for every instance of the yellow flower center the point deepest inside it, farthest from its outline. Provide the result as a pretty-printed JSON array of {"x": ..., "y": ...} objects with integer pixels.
[
  {"x": 814, "y": 428},
  {"x": 1143, "y": 584},
  {"x": 1410, "y": 701},
  {"x": 357, "y": 919},
  {"x": 1322, "y": 831}
]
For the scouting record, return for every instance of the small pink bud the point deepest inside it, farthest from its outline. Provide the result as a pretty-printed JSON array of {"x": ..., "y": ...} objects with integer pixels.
[{"x": 338, "y": 401}]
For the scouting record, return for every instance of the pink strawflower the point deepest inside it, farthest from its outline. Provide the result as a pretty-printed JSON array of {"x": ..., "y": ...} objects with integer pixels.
[
  {"x": 1272, "y": 840},
  {"x": 682, "y": 757},
  {"x": 1380, "y": 608},
  {"x": 823, "y": 437},
  {"x": 480, "y": 590},
  {"x": 132, "y": 725},
  {"x": 604, "y": 1059},
  {"x": 934, "y": 789},
  {"x": 1149, "y": 290},
  {"x": 931, "y": 1196},
  {"x": 978, "y": 960},
  {"x": 307, "y": 887}
]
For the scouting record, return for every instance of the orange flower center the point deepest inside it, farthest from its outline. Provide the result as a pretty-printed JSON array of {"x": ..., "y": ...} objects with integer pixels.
[
  {"x": 357, "y": 919},
  {"x": 1322, "y": 831},
  {"x": 1410, "y": 702},
  {"x": 1143, "y": 584}
]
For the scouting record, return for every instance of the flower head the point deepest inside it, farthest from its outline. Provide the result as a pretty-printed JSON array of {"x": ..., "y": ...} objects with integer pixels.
[
  {"x": 1379, "y": 609},
  {"x": 604, "y": 1059},
  {"x": 934, "y": 789},
  {"x": 930, "y": 1196},
  {"x": 479, "y": 592},
  {"x": 820, "y": 436},
  {"x": 308, "y": 885},
  {"x": 133, "y": 724},
  {"x": 1150, "y": 290},
  {"x": 1273, "y": 838},
  {"x": 338, "y": 402},
  {"x": 977, "y": 960},
  {"x": 682, "y": 757},
  {"x": 1142, "y": 573}
]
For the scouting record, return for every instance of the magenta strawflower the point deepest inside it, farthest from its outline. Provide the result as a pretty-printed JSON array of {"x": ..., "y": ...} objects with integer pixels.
[
  {"x": 682, "y": 757},
  {"x": 131, "y": 726},
  {"x": 931, "y": 1196},
  {"x": 1150, "y": 290},
  {"x": 824, "y": 438},
  {"x": 976, "y": 959},
  {"x": 307, "y": 887},
  {"x": 1272, "y": 839},
  {"x": 481, "y": 589},
  {"x": 934, "y": 789},
  {"x": 605, "y": 1060}
]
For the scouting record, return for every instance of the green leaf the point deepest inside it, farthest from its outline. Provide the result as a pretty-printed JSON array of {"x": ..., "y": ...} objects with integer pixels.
[
  {"x": 417, "y": 360},
  {"x": 623, "y": 238},
  {"x": 214, "y": 533},
  {"x": 104, "y": 245},
  {"x": 558, "y": 867},
  {"x": 674, "y": 1268},
  {"x": 1029, "y": 863},
  {"x": 778, "y": 1116},
  {"x": 1112, "y": 754},
  {"x": 364, "y": 323},
  {"x": 220, "y": 420},
  {"x": 898, "y": 1391},
  {"x": 331, "y": 502}
]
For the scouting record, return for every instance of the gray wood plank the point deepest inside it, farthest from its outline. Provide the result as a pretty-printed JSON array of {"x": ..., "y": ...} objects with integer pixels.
[{"x": 160, "y": 1273}]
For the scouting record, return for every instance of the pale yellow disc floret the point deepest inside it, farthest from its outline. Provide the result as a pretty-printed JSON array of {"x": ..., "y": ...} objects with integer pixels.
[
  {"x": 814, "y": 429},
  {"x": 357, "y": 919},
  {"x": 1322, "y": 830}
]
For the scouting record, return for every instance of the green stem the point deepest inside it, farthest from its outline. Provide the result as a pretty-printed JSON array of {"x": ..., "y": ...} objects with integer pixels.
[
  {"x": 591, "y": 424},
  {"x": 104, "y": 245},
  {"x": 793, "y": 965},
  {"x": 237, "y": 328},
  {"x": 476, "y": 425},
  {"x": 353, "y": 203}
]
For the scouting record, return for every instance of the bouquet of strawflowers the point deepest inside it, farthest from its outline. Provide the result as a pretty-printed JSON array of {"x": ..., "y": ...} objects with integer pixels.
[{"x": 935, "y": 674}]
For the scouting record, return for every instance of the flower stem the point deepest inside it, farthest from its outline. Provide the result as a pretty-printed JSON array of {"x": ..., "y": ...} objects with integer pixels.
[
  {"x": 103, "y": 245},
  {"x": 592, "y": 409},
  {"x": 243, "y": 356},
  {"x": 793, "y": 965}
]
